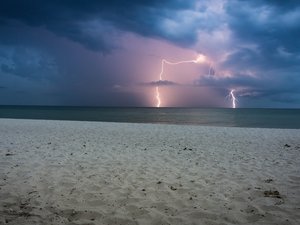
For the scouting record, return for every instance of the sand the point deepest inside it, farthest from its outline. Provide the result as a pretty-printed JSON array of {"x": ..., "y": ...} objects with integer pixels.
[{"x": 63, "y": 172}]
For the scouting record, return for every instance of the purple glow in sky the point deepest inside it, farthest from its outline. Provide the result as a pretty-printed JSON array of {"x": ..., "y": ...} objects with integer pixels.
[{"x": 108, "y": 53}]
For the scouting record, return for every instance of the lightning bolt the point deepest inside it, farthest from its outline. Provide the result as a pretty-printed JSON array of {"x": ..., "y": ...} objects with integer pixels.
[
  {"x": 233, "y": 98},
  {"x": 199, "y": 59},
  {"x": 157, "y": 97}
]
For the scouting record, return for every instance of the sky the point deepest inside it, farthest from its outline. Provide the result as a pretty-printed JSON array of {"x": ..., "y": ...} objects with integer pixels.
[{"x": 109, "y": 53}]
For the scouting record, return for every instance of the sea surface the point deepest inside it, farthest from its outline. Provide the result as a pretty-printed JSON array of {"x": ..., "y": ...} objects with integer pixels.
[{"x": 264, "y": 118}]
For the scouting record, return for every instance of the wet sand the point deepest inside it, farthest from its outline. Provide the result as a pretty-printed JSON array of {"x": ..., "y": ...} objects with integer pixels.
[{"x": 63, "y": 172}]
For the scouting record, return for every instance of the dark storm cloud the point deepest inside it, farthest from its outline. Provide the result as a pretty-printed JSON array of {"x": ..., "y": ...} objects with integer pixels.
[
  {"x": 28, "y": 62},
  {"x": 77, "y": 20},
  {"x": 271, "y": 26},
  {"x": 62, "y": 39},
  {"x": 266, "y": 44},
  {"x": 278, "y": 3}
]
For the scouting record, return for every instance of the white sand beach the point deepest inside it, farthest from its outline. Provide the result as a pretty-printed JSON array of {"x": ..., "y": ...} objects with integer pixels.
[{"x": 65, "y": 172}]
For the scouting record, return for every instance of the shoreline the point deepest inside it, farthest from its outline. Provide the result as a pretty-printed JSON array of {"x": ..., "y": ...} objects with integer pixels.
[
  {"x": 149, "y": 123},
  {"x": 77, "y": 172}
]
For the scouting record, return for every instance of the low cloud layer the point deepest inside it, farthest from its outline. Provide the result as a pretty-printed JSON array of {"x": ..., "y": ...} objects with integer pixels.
[{"x": 160, "y": 83}]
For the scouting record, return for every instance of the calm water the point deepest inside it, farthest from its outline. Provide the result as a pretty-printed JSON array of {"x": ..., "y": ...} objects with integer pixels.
[{"x": 271, "y": 118}]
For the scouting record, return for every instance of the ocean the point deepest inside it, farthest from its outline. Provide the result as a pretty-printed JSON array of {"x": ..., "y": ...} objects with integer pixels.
[{"x": 240, "y": 117}]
